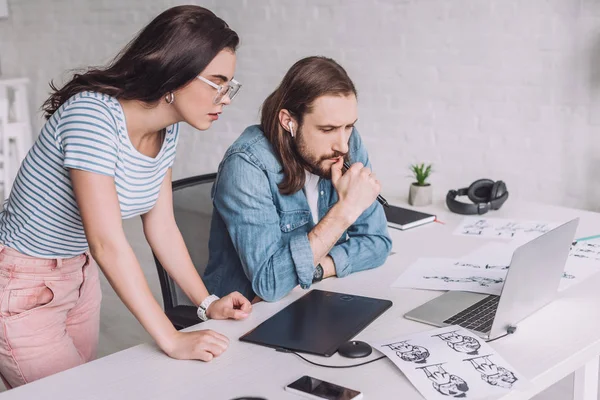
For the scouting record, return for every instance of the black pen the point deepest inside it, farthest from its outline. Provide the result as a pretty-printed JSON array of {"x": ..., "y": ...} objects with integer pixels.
[{"x": 380, "y": 198}]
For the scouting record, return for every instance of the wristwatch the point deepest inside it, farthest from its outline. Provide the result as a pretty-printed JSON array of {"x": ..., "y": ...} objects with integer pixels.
[
  {"x": 318, "y": 275},
  {"x": 204, "y": 306}
]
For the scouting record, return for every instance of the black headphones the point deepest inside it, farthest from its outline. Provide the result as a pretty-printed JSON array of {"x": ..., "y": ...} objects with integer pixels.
[{"x": 484, "y": 193}]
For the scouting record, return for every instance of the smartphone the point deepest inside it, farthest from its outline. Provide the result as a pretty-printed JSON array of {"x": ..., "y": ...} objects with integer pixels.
[{"x": 313, "y": 388}]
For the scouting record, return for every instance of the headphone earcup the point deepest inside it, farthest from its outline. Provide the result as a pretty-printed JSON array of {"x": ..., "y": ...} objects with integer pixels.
[
  {"x": 480, "y": 191},
  {"x": 498, "y": 189},
  {"x": 499, "y": 195}
]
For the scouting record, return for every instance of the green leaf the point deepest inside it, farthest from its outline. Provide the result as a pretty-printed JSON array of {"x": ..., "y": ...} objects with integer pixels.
[{"x": 421, "y": 172}]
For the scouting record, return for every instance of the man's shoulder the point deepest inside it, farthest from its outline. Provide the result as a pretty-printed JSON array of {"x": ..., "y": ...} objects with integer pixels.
[
  {"x": 254, "y": 145},
  {"x": 355, "y": 142}
]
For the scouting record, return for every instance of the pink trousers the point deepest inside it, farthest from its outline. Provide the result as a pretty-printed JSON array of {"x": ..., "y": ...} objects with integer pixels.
[{"x": 49, "y": 315}]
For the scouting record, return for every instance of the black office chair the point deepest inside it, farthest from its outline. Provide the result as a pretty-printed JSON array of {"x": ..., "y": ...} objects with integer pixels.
[{"x": 193, "y": 209}]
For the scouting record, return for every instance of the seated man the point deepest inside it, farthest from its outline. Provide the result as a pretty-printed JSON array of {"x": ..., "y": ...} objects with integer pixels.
[{"x": 285, "y": 212}]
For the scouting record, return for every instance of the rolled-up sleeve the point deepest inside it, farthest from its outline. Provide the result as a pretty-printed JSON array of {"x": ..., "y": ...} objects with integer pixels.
[{"x": 243, "y": 198}]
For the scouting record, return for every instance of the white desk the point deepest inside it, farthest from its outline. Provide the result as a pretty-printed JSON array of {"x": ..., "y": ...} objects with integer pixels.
[{"x": 561, "y": 338}]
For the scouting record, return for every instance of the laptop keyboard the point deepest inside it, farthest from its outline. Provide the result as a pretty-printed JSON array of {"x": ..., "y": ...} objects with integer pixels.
[{"x": 478, "y": 317}]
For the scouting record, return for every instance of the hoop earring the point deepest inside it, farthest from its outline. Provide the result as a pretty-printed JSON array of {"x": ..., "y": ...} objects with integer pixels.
[{"x": 170, "y": 98}]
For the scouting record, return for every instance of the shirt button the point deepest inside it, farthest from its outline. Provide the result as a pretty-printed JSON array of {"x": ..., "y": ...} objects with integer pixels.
[
  {"x": 322, "y": 193},
  {"x": 288, "y": 226}
]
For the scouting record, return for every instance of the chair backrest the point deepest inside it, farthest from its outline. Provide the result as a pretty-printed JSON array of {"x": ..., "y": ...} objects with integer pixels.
[{"x": 192, "y": 205}]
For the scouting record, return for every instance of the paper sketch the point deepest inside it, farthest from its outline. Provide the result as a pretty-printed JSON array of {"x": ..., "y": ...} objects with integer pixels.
[
  {"x": 445, "y": 383},
  {"x": 491, "y": 373},
  {"x": 492, "y": 255},
  {"x": 484, "y": 266},
  {"x": 583, "y": 262},
  {"x": 502, "y": 228},
  {"x": 451, "y": 362},
  {"x": 577, "y": 270},
  {"x": 484, "y": 269},
  {"x": 587, "y": 250},
  {"x": 442, "y": 274},
  {"x": 460, "y": 343},
  {"x": 479, "y": 280},
  {"x": 409, "y": 353}
]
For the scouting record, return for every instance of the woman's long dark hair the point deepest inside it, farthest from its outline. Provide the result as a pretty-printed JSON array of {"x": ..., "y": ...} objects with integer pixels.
[
  {"x": 167, "y": 54},
  {"x": 308, "y": 79}
]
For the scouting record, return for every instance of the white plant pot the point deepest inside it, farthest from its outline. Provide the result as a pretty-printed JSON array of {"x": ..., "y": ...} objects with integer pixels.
[{"x": 420, "y": 195}]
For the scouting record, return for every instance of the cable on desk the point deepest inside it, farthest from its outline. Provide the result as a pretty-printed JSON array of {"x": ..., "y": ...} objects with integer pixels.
[
  {"x": 499, "y": 337},
  {"x": 329, "y": 366},
  {"x": 509, "y": 331}
]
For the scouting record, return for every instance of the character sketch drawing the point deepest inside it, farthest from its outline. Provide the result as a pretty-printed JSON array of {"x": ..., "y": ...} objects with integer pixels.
[
  {"x": 590, "y": 251},
  {"x": 444, "y": 382},
  {"x": 480, "y": 280},
  {"x": 460, "y": 343},
  {"x": 492, "y": 373},
  {"x": 409, "y": 353},
  {"x": 476, "y": 228},
  {"x": 481, "y": 266}
]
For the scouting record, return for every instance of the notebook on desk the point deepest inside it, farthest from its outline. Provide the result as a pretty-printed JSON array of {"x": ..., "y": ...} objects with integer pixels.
[{"x": 404, "y": 218}]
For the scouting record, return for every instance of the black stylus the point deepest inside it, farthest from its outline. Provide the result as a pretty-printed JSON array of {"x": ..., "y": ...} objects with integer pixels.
[{"x": 380, "y": 198}]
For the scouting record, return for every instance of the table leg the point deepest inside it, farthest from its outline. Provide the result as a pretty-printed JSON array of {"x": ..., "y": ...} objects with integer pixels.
[{"x": 586, "y": 381}]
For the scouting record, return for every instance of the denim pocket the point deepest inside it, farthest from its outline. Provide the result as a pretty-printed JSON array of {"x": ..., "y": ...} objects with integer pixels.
[{"x": 291, "y": 220}]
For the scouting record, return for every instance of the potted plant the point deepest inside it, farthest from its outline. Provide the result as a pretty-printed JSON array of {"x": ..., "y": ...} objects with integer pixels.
[{"x": 421, "y": 192}]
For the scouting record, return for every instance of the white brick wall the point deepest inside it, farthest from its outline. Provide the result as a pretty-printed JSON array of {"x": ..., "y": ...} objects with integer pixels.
[{"x": 505, "y": 89}]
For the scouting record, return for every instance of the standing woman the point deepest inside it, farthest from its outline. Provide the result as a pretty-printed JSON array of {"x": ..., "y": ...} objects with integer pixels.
[{"x": 105, "y": 154}]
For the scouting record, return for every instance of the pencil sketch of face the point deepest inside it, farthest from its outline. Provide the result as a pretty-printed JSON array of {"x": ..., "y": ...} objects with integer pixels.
[
  {"x": 451, "y": 337},
  {"x": 410, "y": 353},
  {"x": 504, "y": 378},
  {"x": 493, "y": 374},
  {"x": 461, "y": 343},
  {"x": 445, "y": 383}
]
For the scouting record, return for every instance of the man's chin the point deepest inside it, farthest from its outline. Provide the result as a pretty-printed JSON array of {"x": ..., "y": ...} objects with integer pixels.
[
  {"x": 321, "y": 169},
  {"x": 322, "y": 172}
]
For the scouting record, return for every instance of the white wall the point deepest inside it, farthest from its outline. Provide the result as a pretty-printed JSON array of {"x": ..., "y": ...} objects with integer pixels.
[{"x": 505, "y": 89}]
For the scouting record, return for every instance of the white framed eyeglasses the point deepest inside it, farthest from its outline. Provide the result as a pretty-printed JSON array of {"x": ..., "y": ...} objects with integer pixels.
[{"x": 231, "y": 89}]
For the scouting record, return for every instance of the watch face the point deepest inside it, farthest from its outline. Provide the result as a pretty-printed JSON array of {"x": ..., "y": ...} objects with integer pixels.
[{"x": 318, "y": 275}]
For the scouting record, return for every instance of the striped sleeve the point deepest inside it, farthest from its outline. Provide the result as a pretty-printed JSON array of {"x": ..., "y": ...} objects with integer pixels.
[{"x": 88, "y": 136}]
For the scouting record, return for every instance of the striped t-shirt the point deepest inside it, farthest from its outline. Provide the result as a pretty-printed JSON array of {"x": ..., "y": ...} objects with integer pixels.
[{"x": 88, "y": 132}]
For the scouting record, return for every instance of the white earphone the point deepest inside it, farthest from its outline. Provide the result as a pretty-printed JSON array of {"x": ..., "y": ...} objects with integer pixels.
[{"x": 291, "y": 126}]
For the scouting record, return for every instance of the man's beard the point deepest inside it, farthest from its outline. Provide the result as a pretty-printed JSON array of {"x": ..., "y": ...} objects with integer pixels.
[{"x": 313, "y": 164}]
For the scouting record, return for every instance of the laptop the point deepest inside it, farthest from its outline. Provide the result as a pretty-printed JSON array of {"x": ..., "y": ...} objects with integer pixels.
[
  {"x": 531, "y": 283},
  {"x": 318, "y": 323}
]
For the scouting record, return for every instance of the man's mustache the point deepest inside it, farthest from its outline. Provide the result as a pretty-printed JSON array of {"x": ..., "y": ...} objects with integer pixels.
[{"x": 334, "y": 155}]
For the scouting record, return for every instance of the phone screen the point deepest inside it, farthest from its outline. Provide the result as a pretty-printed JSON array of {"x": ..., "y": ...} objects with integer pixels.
[{"x": 323, "y": 389}]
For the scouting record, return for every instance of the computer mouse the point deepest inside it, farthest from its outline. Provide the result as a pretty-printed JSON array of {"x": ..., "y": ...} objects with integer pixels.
[
  {"x": 355, "y": 349},
  {"x": 249, "y": 398}
]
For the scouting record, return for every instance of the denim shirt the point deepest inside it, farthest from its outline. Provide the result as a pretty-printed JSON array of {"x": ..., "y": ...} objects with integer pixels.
[{"x": 259, "y": 238}]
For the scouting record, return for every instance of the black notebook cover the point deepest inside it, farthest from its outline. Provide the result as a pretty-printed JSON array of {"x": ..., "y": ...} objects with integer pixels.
[{"x": 404, "y": 218}]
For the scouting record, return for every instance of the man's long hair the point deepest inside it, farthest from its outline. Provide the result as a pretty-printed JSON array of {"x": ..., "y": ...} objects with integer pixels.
[{"x": 307, "y": 80}]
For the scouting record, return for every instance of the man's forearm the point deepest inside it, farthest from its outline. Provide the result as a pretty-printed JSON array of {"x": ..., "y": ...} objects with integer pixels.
[{"x": 327, "y": 232}]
